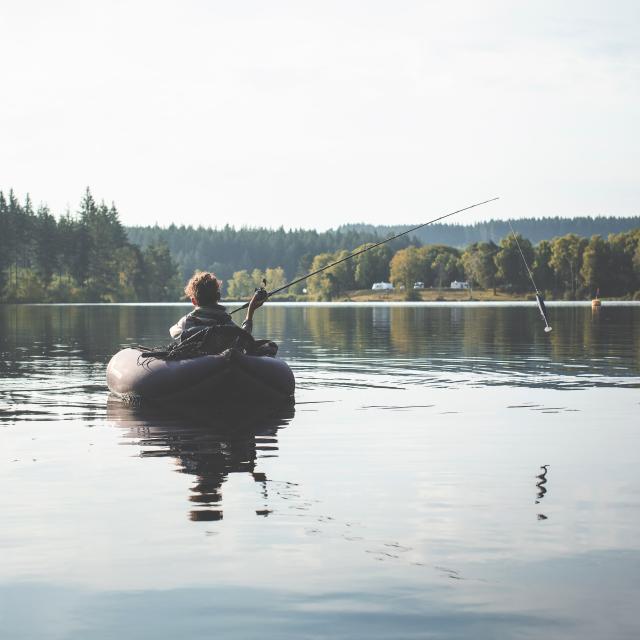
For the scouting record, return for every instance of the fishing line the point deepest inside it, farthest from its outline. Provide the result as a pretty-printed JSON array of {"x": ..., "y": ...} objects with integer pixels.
[
  {"x": 268, "y": 294},
  {"x": 539, "y": 298}
]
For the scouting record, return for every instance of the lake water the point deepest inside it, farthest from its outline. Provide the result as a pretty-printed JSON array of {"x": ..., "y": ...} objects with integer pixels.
[{"x": 404, "y": 497}]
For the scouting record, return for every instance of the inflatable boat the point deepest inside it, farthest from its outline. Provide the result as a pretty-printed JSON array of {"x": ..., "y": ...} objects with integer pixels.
[{"x": 230, "y": 377}]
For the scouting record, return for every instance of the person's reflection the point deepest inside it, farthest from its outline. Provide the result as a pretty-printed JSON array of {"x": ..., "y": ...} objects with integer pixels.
[{"x": 208, "y": 447}]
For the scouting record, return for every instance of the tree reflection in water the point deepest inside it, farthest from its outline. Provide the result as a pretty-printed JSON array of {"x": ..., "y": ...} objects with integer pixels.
[
  {"x": 205, "y": 444},
  {"x": 501, "y": 344}
]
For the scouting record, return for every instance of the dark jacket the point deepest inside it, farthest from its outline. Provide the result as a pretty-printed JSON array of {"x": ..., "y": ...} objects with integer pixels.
[{"x": 209, "y": 316}]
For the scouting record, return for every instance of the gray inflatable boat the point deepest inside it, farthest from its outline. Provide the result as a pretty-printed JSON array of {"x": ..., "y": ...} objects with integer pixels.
[{"x": 230, "y": 377}]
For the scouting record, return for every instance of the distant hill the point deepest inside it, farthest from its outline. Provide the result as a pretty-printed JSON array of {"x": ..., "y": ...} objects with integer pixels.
[
  {"x": 227, "y": 250},
  {"x": 535, "y": 229}
]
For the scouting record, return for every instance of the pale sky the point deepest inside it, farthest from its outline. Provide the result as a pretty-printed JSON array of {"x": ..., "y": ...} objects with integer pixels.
[{"x": 315, "y": 114}]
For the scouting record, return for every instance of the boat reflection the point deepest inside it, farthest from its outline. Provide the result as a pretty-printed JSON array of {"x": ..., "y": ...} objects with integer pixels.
[{"x": 205, "y": 444}]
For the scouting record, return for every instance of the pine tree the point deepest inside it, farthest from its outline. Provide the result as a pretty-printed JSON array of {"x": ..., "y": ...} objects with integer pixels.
[
  {"x": 5, "y": 258},
  {"x": 163, "y": 283},
  {"x": 14, "y": 234},
  {"x": 46, "y": 249}
]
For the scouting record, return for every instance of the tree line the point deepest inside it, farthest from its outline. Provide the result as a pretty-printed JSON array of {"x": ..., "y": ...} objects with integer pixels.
[
  {"x": 227, "y": 250},
  {"x": 567, "y": 267},
  {"x": 536, "y": 229},
  {"x": 82, "y": 257},
  {"x": 90, "y": 256}
]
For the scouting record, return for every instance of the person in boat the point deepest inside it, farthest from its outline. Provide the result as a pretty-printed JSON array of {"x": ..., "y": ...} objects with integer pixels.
[{"x": 203, "y": 289}]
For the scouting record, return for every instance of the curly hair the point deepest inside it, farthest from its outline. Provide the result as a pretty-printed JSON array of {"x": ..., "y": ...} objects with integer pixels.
[{"x": 204, "y": 288}]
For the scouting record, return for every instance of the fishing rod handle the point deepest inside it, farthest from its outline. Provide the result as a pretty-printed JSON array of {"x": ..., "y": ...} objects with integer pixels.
[{"x": 263, "y": 295}]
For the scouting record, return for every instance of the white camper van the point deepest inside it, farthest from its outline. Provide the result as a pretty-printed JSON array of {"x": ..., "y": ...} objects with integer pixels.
[{"x": 382, "y": 286}]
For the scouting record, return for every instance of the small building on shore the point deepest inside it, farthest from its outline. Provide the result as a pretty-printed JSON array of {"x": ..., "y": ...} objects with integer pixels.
[
  {"x": 459, "y": 285},
  {"x": 382, "y": 286}
]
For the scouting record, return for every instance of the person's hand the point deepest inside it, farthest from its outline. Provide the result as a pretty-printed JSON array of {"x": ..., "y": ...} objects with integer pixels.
[{"x": 257, "y": 300}]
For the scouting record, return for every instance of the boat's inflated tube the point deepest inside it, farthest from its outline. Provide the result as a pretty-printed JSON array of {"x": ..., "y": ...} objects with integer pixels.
[{"x": 231, "y": 376}]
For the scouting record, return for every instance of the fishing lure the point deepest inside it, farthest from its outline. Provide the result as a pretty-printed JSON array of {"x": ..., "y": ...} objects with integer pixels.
[{"x": 539, "y": 298}]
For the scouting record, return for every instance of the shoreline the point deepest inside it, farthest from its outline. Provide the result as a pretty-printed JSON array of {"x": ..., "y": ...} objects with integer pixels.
[
  {"x": 366, "y": 296},
  {"x": 398, "y": 302},
  {"x": 435, "y": 295}
]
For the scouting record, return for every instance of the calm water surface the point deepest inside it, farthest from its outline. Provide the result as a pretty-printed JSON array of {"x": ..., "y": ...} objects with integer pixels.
[{"x": 405, "y": 496}]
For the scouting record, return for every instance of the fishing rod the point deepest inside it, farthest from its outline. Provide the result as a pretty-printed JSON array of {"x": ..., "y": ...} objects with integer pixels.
[
  {"x": 539, "y": 298},
  {"x": 268, "y": 294}
]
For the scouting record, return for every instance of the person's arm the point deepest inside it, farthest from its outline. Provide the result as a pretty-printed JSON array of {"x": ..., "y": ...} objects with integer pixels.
[
  {"x": 177, "y": 328},
  {"x": 256, "y": 302}
]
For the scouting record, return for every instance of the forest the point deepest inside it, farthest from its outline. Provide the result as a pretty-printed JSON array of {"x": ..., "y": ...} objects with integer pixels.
[
  {"x": 89, "y": 256},
  {"x": 535, "y": 229},
  {"x": 228, "y": 250},
  {"x": 85, "y": 257}
]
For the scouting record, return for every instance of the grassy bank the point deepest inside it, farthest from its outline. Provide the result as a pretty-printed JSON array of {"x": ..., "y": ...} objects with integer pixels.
[
  {"x": 433, "y": 295},
  {"x": 427, "y": 295}
]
